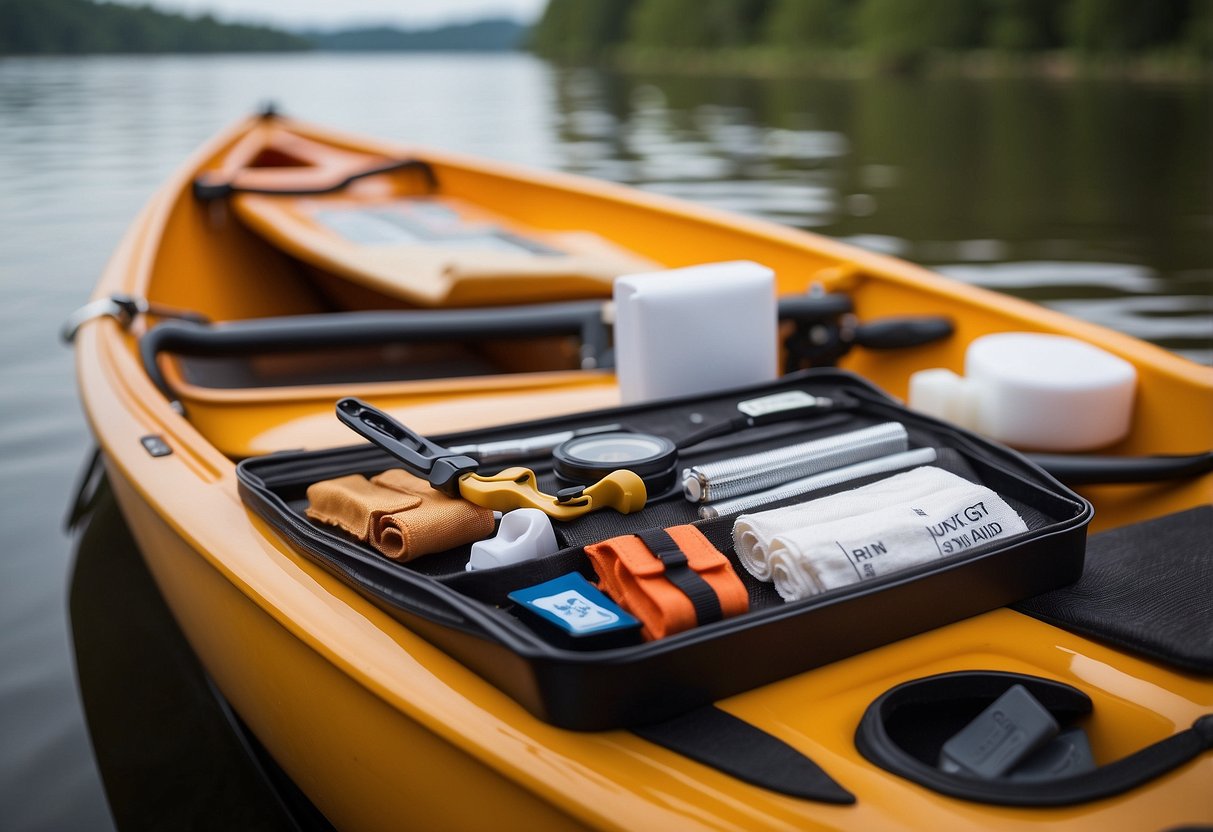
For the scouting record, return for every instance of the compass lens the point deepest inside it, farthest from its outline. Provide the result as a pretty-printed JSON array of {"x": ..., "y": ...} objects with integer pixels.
[
  {"x": 614, "y": 448},
  {"x": 586, "y": 459}
]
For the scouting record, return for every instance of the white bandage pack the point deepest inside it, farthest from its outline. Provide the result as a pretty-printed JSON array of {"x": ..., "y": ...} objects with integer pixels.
[
  {"x": 753, "y": 533},
  {"x": 695, "y": 330},
  {"x": 922, "y": 515}
]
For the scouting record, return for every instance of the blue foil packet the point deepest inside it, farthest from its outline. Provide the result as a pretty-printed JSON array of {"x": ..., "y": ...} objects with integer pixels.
[{"x": 571, "y": 611}]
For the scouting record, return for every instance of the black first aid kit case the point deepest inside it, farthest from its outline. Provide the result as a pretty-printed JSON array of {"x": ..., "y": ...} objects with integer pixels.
[{"x": 479, "y": 617}]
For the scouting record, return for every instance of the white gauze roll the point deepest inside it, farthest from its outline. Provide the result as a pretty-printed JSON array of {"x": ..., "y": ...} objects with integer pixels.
[
  {"x": 753, "y": 533},
  {"x": 810, "y": 560}
]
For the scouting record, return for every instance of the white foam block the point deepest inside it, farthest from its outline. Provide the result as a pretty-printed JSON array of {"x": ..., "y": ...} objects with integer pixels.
[
  {"x": 695, "y": 330},
  {"x": 1050, "y": 392},
  {"x": 1034, "y": 391}
]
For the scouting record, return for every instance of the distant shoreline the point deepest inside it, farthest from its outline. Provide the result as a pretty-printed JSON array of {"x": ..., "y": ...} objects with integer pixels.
[
  {"x": 82, "y": 27},
  {"x": 972, "y": 66},
  {"x": 263, "y": 53},
  {"x": 1159, "y": 40},
  {"x": 762, "y": 62}
]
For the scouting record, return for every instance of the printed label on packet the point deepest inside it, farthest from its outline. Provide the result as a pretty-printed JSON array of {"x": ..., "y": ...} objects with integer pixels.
[
  {"x": 578, "y": 612},
  {"x": 930, "y": 535},
  {"x": 867, "y": 557},
  {"x": 965, "y": 529}
]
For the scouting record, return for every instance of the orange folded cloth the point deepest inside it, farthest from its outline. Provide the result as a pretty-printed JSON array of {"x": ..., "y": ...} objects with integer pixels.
[
  {"x": 670, "y": 579},
  {"x": 397, "y": 513}
]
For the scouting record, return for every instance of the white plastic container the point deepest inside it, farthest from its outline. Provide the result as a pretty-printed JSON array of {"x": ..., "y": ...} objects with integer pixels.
[
  {"x": 524, "y": 534},
  {"x": 1033, "y": 391},
  {"x": 695, "y": 330}
]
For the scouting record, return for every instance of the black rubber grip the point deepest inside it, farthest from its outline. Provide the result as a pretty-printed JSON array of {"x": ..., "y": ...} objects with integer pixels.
[
  {"x": 1081, "y": 469},
  {"x": 206, "y": 190},
  {"x": 344, "y": 329}
]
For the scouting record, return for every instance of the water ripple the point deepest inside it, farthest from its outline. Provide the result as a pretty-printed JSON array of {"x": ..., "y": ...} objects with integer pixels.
[{"x": 1119, "y": 277}]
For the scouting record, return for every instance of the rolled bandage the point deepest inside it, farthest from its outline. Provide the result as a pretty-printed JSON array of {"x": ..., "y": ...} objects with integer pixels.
[
  {"x": 753, "y": 533},
  {"x": 814, "y": 559},
  {"x": 436, "y": 523}
]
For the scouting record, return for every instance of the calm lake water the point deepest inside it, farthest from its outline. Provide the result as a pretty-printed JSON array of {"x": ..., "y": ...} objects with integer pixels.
[{"x": 1092, "y": 198}]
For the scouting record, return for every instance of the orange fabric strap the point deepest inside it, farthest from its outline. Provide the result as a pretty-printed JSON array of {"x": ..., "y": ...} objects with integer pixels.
[
  {"x": 639, "y": 581},
  {"x": 397, "y": 513}
]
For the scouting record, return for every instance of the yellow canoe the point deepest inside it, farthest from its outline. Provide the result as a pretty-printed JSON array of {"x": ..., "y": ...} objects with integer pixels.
[{"x": 379, "y": 728}]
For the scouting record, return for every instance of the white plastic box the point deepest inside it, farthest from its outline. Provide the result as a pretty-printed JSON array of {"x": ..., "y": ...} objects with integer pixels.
[{"x": 695, "y": 330}]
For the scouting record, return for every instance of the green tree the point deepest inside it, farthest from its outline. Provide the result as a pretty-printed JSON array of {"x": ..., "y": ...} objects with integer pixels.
[
  {"x": 739, "y": 22},
  {"x": 902, "y": 33},
  {"x": 696, "y": 24},
  {"x": 1111, "y": 26},
  {"x": 580, "y": 29},
  {"x": 1022, "y": 25},
  {"x": 899, "y": 34},
  {"x": 1198, "y": 32},
  {"x": 794, "y": 24},
  {"x": 31, "y": 27},
  {"x": 677, "y": 23}
]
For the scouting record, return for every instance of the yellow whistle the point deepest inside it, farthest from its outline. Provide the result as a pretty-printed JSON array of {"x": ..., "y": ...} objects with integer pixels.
[
  {"x": 455, "y": 474},
  {"x": 514, "y": 488}
]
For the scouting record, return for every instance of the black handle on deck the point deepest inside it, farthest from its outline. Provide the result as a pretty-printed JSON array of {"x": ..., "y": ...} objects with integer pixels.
[
  {"x": 1081, "y": 469},
  {"x": 896, "y": 333},
  {"x": 208, "y": 186},
  {"x": 347, "y": 329}
]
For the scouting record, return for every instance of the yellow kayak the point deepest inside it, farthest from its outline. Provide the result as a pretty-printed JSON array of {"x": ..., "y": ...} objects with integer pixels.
[{"x": 379, "y": 726}]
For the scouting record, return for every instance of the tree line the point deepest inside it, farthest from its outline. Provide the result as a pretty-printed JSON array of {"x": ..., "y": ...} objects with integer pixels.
[
  {"x": 895, "y": 32},
  {"x": 58, "y": 27},
  {"x": 491, "y": 35},
  {"x": 41, "y": 27}
]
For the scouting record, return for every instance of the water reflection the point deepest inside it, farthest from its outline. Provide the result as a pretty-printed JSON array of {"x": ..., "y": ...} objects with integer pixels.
[
  {"x": 1069, "y": 192},
  {"x": 170, "y": 752},
  {"x": 1060, "y": 278}
]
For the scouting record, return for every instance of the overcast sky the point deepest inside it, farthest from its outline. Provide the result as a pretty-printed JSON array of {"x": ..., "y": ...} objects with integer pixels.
[{"x": 298, "y": 14}]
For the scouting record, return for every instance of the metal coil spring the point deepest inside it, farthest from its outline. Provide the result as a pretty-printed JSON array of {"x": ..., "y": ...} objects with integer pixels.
[
  {"x": 817, "y": 482},
  {"x": 757, "y": 472}
]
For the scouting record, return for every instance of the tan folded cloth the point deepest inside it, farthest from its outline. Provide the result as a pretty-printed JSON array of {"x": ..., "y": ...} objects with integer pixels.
[{"x": 397, "y": 513}]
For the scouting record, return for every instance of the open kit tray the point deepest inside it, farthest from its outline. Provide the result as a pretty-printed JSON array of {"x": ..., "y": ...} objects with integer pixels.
[{"x": 476, "y": 616}]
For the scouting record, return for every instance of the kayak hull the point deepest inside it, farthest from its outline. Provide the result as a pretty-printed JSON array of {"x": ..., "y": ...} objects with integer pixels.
[
  {"x": 362, "y": 762},
  {"x": 367, "y": 763},
  {"x": 380, "y": 729}
]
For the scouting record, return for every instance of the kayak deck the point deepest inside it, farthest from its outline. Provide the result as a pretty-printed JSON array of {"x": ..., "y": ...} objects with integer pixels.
[{"x": 226, "y": 272}]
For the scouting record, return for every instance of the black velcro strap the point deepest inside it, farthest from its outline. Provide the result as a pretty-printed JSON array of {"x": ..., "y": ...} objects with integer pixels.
[
  {"x": 718, "y": 739},
  {"x": 703, "y": 598}
]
